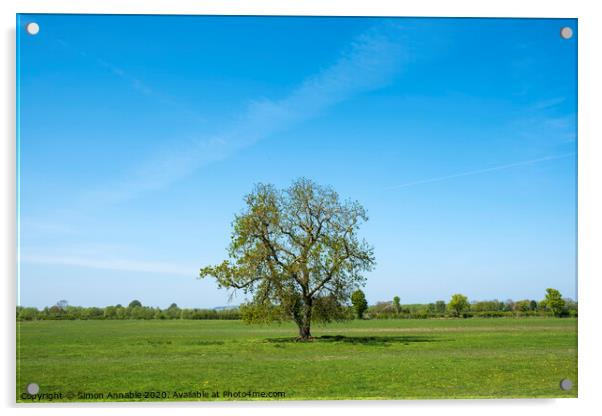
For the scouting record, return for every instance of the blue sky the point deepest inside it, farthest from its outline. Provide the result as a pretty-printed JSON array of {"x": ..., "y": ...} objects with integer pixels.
[{"x": 139, "y": 136}]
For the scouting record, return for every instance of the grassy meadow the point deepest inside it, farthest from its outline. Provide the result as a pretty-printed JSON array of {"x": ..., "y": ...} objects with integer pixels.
[{"x": 375, "y": 359}]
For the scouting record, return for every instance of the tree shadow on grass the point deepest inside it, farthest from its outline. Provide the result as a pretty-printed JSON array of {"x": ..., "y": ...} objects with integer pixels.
[{"x": 362, "y": 340}]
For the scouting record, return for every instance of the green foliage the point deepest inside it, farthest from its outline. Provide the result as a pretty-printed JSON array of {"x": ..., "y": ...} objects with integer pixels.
[
  {"x": 173, "y": 312},
  {"x": 261, "y": 313},
  {"x": 458, "y": 305},
  {"x": 522, "y": 305},
  {"x": 221, "y": 314},
  {"x": 329, "y": 309},
  {"x": 570, "y": 308},
  {"x": 487, "y": 306},
  {"x": 388, "y": 310},
  {"x": 381, "y": 310},
  {"x": 93, "y": 313},
  {"x": 134, "y": 304},
  {"x": 27, "y": 314},
  {"x": 440, "y": 307},
  {"x": 294, "y": 246},
  {"x": 397, "y": 304},
  {"x": 359, "y": 302},
  {"x": 554, "y": 302},
  {"x": 186, "y": 314},
  {"x": 507, "y": 305},
  {"x": 119, "y": 313},
  {"x": 110, "y": 312}
]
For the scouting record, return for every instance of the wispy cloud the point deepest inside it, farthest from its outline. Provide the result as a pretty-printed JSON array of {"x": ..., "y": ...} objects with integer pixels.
[
  {"x": 112, "y": 264},
  {"x": 479, "y": 171},
  {"x": 134, "y": 82},
  {"x": 547, "y": 129},
  {"x": 370, "y": 62},
  {"x": 547, "y": 104}
]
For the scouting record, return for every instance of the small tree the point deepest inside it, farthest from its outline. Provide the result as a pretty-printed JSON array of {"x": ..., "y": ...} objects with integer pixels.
[
  {"x": 440, "y": 306},
  {"x": 397, "y": 305},
  {"x": 328, "y": 309},
  {"x": 110, "y": 312},
  {"x": 458, "y": 304},
  {"x": 554, "y": 302},
  {"x": 55, "y": 312},
  {"x": 522, "y": 305},
  {"x": 62, "y": 304},
  {"x": 173, "y": 312},
  {"x": 358, "y": 300},
  {"x": 134, "y": 303}
]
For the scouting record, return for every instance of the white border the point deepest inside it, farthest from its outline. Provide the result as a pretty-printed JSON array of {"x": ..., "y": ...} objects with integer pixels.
[{"x": 590, "y": 207}]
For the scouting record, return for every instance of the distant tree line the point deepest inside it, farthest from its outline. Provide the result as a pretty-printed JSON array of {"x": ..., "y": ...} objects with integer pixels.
[
  {"x": 327, "y": 309},
  {"x": 135, "y": 310},
  {"x": 459, "y": 306}
]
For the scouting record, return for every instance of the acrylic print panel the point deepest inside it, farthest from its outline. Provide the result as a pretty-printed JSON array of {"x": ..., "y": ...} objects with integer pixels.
[{"x": 295, "y": 208}]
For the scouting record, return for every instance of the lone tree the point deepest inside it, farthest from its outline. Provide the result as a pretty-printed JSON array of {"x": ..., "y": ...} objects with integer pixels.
[
  {"x": 359, "y": 303},
  {"x": 291, "y": 248}
]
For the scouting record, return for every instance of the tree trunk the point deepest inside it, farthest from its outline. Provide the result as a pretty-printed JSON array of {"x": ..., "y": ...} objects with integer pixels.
[
  {"x": 304, "y": 323},
  {"x": 304, "y": 333}
]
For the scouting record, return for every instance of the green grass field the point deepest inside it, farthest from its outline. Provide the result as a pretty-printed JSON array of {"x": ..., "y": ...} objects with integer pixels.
[{"x": 396, "y": 359}]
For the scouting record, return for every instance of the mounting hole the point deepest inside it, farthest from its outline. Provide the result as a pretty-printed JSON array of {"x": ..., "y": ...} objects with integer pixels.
[
  {"x": 566, "y": 384},
  {"x": 33, "y": 388},
  {"x": 32, "y": 28},
  {"x": 566, "y": 32}
]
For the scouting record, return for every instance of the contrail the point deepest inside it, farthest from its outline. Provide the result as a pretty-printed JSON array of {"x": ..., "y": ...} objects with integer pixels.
[{"x": 478, "y": 171}]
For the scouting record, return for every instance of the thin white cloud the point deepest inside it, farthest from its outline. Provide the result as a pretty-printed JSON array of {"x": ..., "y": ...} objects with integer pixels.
[
  {"x": 370, "y": 62},
  {"x": 479, "y": 171},
  {"x": 547, "y": 130},
  {"x": 113, "y": 264},
  {"x": 548, "y": 104},
  {"x": 135, "y": 83}
]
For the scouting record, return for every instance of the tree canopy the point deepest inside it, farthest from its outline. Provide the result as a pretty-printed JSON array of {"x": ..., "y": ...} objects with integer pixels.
[
  {"x": 554, "y": 301},
  {"x": 291, "y": 247},
  {"x": 458, "y": 304},
  {"x": 359, "y": 302}
]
